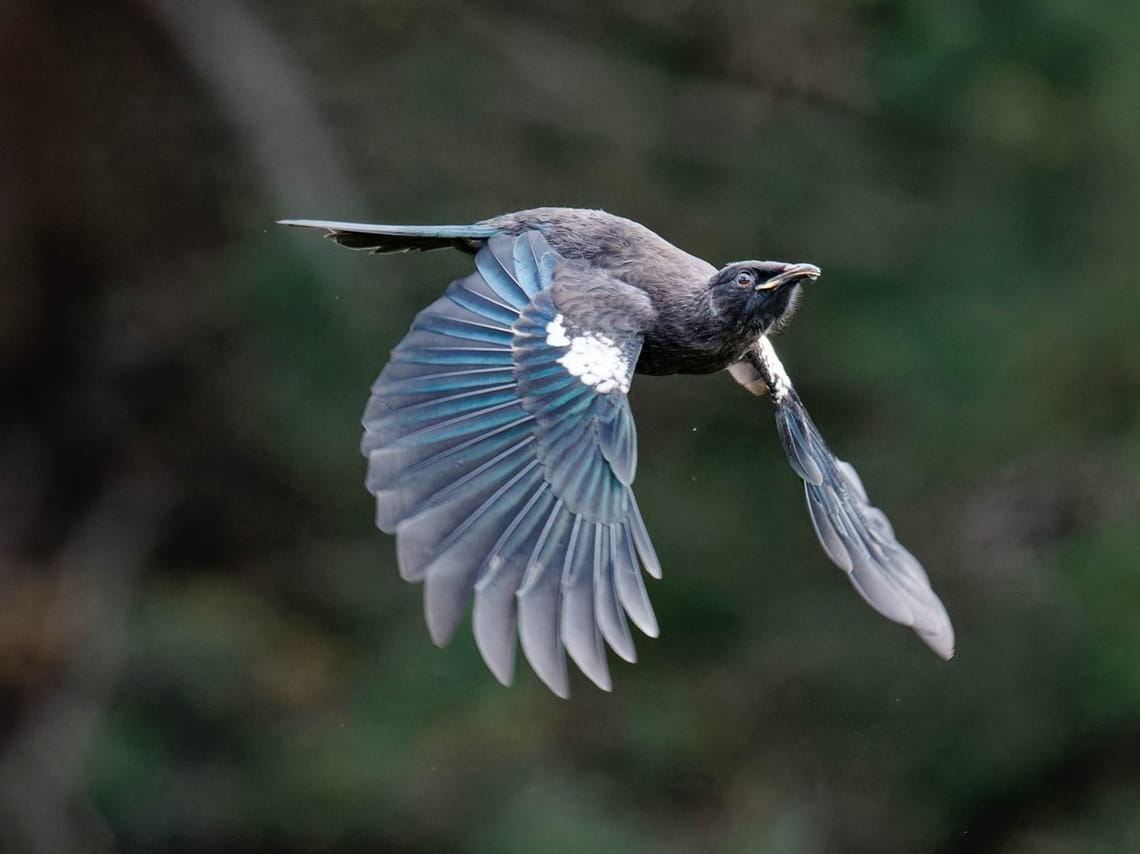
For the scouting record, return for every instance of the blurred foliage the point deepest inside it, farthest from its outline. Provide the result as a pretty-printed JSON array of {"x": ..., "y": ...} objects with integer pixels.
[{"x": 205, "y": 646}]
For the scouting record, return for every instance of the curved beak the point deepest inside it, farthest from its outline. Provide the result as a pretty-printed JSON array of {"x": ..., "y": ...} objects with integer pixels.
[{"x": 791, "y": 273}]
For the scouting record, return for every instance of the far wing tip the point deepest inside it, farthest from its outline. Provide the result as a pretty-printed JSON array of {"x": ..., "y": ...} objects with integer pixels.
[
  {"x": 939, "y": 639},
  {"x": 857, "y": 536}
]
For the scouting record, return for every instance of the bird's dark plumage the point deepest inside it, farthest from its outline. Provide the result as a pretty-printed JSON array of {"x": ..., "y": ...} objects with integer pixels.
[{"x": 501, "y": 447}]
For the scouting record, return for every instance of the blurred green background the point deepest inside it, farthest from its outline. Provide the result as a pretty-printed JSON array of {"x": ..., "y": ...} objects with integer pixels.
[{"x": 204, "y": 644}]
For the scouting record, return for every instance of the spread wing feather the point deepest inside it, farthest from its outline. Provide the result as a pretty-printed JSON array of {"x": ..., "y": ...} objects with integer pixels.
[
  {"x": 506, "y": 478},
  {"x": 856, "y": 535}
]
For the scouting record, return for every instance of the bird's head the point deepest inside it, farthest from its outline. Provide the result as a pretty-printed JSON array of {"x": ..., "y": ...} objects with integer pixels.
[{"x": 758, "y": 295}]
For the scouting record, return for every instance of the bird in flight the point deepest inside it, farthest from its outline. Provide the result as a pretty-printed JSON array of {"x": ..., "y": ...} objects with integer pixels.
[{"x": 501, "y": 447}]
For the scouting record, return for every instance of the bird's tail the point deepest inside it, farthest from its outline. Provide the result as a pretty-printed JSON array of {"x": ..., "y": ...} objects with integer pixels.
[{"x": 399, "y": 238}]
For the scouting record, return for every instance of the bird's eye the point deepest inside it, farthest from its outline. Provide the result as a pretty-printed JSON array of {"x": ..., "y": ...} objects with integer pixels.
[{"x": 745, "y": 279}]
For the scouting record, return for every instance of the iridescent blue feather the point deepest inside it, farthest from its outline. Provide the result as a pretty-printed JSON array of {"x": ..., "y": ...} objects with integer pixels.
[{"x": 506, "y": 477}]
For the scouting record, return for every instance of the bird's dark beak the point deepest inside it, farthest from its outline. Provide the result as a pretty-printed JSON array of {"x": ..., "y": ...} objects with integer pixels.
[{"x": 792, "y": 273}]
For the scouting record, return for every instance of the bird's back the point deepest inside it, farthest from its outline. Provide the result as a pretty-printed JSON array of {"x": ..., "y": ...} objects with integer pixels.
[{"x": 630, "y": 251}]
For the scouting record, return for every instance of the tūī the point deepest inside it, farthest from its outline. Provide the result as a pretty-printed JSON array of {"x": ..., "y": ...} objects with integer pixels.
[{"x": 501, "y": 447}]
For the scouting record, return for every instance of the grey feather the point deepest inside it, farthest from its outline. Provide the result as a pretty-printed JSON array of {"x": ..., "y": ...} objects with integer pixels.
[
  {"x": 855, "y": 534},
  {"x": 580, "y": 632}
]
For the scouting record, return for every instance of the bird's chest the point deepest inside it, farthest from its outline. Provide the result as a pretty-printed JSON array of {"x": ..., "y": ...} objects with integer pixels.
[{"x": 692, "y": 348}]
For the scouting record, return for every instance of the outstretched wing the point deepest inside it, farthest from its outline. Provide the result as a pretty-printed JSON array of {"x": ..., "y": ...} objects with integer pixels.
[
  {"x": 855, "y": 534},
  {"x": 501, "y": 450}
]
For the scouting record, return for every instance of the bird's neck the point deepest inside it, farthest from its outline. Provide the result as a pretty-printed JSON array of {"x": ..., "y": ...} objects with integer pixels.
[{"x": 688, "y": 337}]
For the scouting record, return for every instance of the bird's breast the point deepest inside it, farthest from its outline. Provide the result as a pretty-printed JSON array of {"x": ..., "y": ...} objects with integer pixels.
[{"x": 671, "y": 354}]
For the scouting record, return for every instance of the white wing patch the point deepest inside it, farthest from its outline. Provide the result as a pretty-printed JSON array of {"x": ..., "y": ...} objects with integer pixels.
[
  {"x": 779, "y": 378},
  {"x": 556, "y": 333},
  {"x": 594, "y": 359}
]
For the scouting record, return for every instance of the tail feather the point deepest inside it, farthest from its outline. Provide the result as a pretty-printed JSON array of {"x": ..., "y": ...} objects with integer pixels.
[{"x": 399, "y": 238}]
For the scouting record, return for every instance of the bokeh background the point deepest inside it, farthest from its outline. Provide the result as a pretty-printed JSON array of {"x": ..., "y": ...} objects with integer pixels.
[{"x": 204, "y": 644}]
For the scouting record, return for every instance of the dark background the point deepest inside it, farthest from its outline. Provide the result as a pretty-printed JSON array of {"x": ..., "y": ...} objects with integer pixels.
[{"x": 204, "y": 644}]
